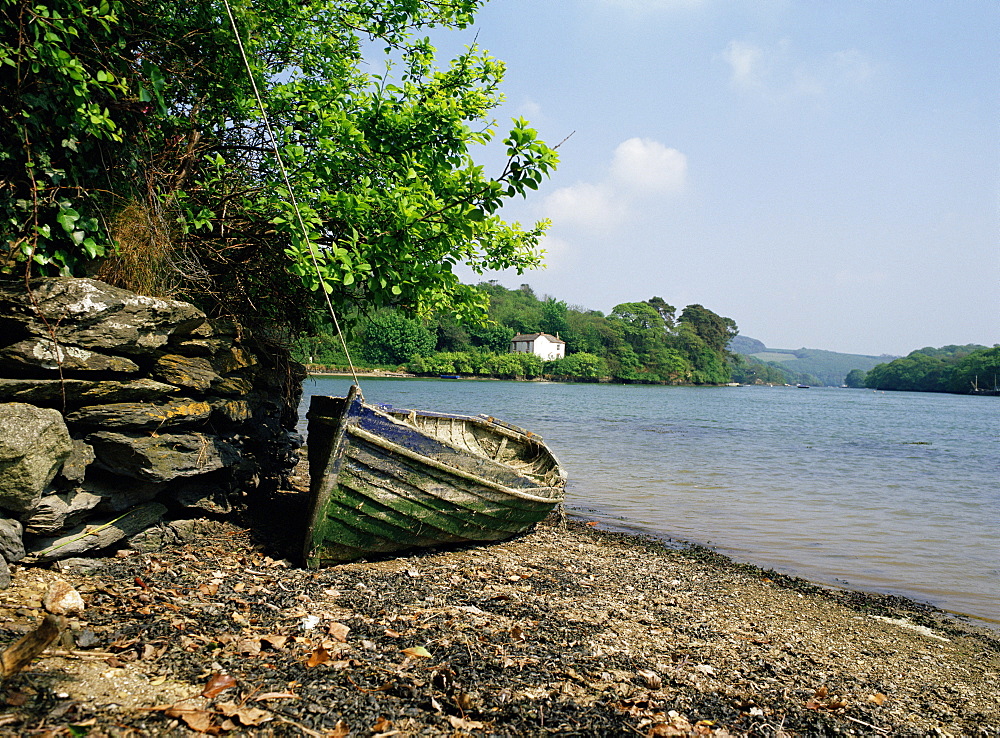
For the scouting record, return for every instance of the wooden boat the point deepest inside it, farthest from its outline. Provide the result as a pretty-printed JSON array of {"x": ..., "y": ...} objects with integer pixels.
[{"x": 386, "y": 480}]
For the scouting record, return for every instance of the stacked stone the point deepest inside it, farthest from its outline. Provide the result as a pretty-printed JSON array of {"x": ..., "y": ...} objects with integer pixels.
[{"x": 117, "y": 409}]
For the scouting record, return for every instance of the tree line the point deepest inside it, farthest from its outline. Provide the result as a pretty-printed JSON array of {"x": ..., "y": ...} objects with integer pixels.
[
  {"x": 957, "y": 369},
  {"x": 637, "y": 342}
]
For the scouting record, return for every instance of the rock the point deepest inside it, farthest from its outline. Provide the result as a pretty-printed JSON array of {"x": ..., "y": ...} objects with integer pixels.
[
  {"x": 95, "y": 536},
  {"x": 143, "y": 415},
  {"x": 155, "y": 538},
  {"x": 96, "y": 316},
  {"x": 41, "y": 353},
  {"x": 50, "y": 392},
  {"x": 11, "y": 544},
  {"x": 189, "y": 529},
  {"x": 61, "y": 599},
  {"x": 4, "y": 574},
  {"x": 79, "y": 565},
  {"x": 233, "y": 359},
  {"x": 163, "y": 457},
  {"x": 52, "y": 513},
  {"x": 202, "y": 495},
  {"x": 34, "y": 442},
  {"x": 74, "y": 469},
  {"x": 191, "y": 372},
  {"x": 119, "y": 493},
  {"x": 234, "y": 386}
]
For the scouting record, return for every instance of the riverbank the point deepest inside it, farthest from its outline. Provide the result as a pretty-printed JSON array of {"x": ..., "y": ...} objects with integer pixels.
[{"x": 565, "y": 630}]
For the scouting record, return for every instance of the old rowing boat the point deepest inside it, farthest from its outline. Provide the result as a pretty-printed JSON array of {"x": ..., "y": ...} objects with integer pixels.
[{"x": 386, "y": 480}]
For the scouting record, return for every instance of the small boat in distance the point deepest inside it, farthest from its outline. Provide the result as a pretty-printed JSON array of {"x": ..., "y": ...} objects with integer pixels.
[
  {"x": 385, "y": 480},
  {"x": 802, "y": 386}
]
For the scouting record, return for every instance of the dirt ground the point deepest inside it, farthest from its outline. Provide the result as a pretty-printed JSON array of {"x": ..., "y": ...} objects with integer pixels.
[{"x": 566, "y": 630}]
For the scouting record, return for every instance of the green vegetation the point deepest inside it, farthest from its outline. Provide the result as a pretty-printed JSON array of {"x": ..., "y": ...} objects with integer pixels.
[
  {"x": 132, "y": 148},
  {"x": 638, "y": 342},
  {"x": 805, "y": 366},
  {"x": 959, "y": 369}
]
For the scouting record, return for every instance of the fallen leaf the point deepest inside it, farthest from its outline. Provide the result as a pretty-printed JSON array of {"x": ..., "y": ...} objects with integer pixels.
[
  {"x": 517, "y": 633},
  {"x": 317, "y": 657},
  {"x": 878, "y": 698},
  {"x": 650, "y": 678},
  {"x": 464, "y": 723},
  {"x": 248, "y": 716},
  {"x": 249, "y": 646},
  {"x": 217, "y": 684},
  {"x": 340, "y": 730},
  {"x": 381, "y": 724},
  {"x": 266, "y": 696},
  {"x": 277, "y": 642},
  {"x": 338, "y": 631},
  {"x": 417, "y": 652},
  {"x": 200, "y": 721}
]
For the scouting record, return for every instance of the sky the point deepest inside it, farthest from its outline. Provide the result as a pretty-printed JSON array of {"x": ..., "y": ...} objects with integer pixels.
[{"x": 824, "y": 173}]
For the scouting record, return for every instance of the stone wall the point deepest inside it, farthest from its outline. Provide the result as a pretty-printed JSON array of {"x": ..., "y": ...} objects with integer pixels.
[{"x": 118, "y": 409}]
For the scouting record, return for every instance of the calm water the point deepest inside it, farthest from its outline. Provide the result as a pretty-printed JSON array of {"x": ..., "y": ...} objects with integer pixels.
[{"x": 890, "y": 492}]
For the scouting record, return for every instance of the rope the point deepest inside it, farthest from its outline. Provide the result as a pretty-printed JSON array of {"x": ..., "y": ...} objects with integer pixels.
[{"x": 291, "y": 193}]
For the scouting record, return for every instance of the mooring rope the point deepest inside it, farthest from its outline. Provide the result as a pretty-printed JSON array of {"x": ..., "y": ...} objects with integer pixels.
[{"x": 291, "y": 193}]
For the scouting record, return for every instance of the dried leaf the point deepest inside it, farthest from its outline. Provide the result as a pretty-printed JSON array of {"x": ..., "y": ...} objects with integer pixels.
[
  {"x": 249, "y": 646},
  {"x": 277, "y": 642},
  {"x": 464, "y": 723},
  {"x": 417, "y": 652},
  {"x": 247, "y": 716},
  {"x": 878, "y": 698},
  {"x": 650, "y": 678},
  {"x": 516, "y": 633},
  {"x": 340, "y": 730},
  {"x": 217, "y": 684},
  {"x": 382, "y": 724},
  {"x": 200, "y": 721},
  {"x": 317, "y": 657},
  {"x": 338, "y": 631},
  {"x": 266, "y": 696}
]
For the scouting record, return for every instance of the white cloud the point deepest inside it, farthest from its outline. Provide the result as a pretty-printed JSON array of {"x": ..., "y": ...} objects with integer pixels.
[
  {"x": 639, "y": 168},
  {"x": 648, "y": 167},
  {"x": 584, "y": 205},
  {"x": 778, "y": 71},
  {"x": 745, "y": 61}
]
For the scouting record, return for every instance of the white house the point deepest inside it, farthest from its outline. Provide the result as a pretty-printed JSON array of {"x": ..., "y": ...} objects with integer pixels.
[{"x": 542, "y": 345}]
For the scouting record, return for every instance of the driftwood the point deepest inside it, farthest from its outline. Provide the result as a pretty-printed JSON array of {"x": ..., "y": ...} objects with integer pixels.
[{"x": 19, "y": 654}]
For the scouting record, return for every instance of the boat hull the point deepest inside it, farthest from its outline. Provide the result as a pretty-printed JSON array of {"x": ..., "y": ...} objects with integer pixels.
[{"x": 387, "y": 480}]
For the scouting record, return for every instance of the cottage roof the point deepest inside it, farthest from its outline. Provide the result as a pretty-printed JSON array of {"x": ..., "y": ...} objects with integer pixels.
[{"x": 533, "y": 336}]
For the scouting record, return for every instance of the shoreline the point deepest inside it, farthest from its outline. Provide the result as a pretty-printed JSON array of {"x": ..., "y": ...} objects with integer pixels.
[{"x": 563, "y": 630}]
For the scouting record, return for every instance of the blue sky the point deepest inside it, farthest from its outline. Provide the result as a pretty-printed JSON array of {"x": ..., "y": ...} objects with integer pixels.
[{"x": 824, "y": 173}]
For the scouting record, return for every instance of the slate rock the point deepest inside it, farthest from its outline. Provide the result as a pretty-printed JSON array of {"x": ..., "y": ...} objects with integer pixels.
[
  {"x": 4, "y": 574},
  {"x": 34, "y": 442},
  {"x": 95, "y": 536},
  {"x": 142, "y": 415},
  {"x": 162, "y": 457},
  {"x": 74, "y": 469},
  {"x": 11, "y": 543},
  {"x": 202, "y": 495},
  {"x": 43, "y": 354},
  {"x": 190, "y": 372},
  {"x": 96, "y": 316},
  {"x": 154, "y": 539},
  {"x": 52, "y": 513},
  {"x": 50, "y": 392}
]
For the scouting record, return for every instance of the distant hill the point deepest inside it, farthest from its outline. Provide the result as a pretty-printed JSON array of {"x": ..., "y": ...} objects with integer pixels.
[{"x": 810, "y": 366}]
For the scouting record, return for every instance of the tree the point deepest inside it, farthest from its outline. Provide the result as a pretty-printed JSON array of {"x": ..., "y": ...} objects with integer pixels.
[
  {"x": 855, "y": 378},
  {"x": 131, "y": 145},
  {"x": 390, "y": 338},
  {"x": 713, "y": 329}
]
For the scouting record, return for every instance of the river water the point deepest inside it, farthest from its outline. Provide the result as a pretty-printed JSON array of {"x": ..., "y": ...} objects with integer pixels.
[{"x": 890, "y": 492}]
